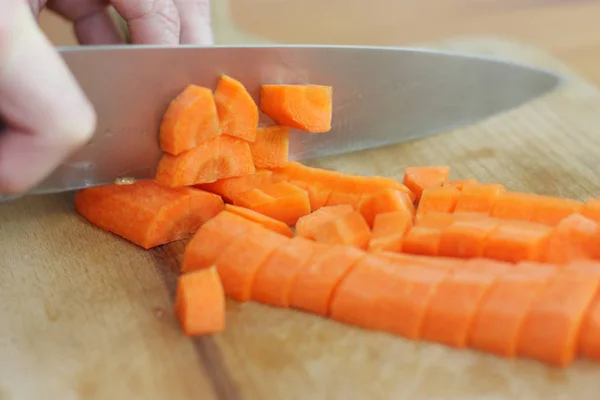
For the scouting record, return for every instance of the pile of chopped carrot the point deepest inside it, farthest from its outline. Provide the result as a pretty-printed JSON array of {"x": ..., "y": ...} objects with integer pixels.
[{"x": 458, "y": 262}]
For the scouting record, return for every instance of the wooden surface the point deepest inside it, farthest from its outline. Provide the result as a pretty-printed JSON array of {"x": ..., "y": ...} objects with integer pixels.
[{"x": 86, "y": 315}]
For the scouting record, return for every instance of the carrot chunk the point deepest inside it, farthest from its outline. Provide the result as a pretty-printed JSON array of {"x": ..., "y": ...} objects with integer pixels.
[
  {"x": 420, "y": 178},
  {"x": 318, "y": 195},
  {"x": 422, "y": 240},
  {"x": 383, "y": 202},
  {"x": 573, "y": 238},
  {"x": 282, "y": 201},
  {"x": 389, "y": 230},
  {"x": 308, "y": 225},
  {"x": 551, "y": 210},
  {"x": 479, "y": 198},
  {"x": 514, "y": 241},
  {"x": 438, "y": 199},
  {"x": 591, "y": 210},
  {"x": 315, "y": 283},
  {"x": 466, "y": 238},
  {"x": 212, "y": 239},
  {"x": 460, "y": 183},
  {"x": 239, "y": 262},
  {"x": 147, "y": 213},
  {"x": 200, "y": 302},
  {"x": 551, "y": 330},
  {"x": 190, "y": 119},
  {"x": 218, "y": 158},
  {"x": 271, "y": 147},
  {"x": 513, "y": 205},
  {"x": 350, "y": 229},
  {"x": 238, "y": 113},
  {"x": 273, "y": 281},
  {"x": 267, "y": 222},
  {"x": 304, "y": 107},
  {"x": 227, "y": 188}
]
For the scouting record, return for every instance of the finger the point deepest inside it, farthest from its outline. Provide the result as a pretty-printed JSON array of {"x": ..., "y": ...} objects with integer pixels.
[
  {"x": 47, "y": 114},
  {"x": 91, "y": 20},
  {"x": 150, "y": 21},
  {"x": 195, "y": 21}
]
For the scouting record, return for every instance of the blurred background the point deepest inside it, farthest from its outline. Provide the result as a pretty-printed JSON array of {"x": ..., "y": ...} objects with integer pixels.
[{"x": 568, "y": 29}]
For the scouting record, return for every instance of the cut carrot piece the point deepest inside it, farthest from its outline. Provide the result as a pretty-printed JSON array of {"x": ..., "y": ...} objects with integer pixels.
[
  {"x": 238, "y": 113},
  {"x": 513, "y": 205},
  {"x": 454, "y": 305},
  {"x": 147, "y": 213},
  {"x": 444, "y": 263},
  {"x": 422, "y": 240},
  {"x": 498, "y": 323},
  {"x": 517, "y": 241},
  {"x": 418, "y": 179},
  {"x": 340, "y": 197},
  {"x": 229, "y": 187},
  {"x": 200, "y": 302},
  {"x": 318, "y": 195},
  {"x": 591, "y": 210},
  {"x": 460, "y": 183},
  {"x": 479, "y": 198},
  {"x": 282, "y": 201},
  {"x": 190, "y": 119},
  {"x": 240, "y": 261},
  {"x": 436, "y": 220},
  {"x": 315, "y": 283},
  {"x": 551, "y": 330},
  {"x": 438, "y": 199},
  {"x": 212, "y": 239},
  {"x": 305, "y": 107},
  {"x": 572, "y": 239},
  {"x": 383, "y": 202},
  {"x": 308, "y": 225},
  {"x": 267, "y": 222},
  {"x": 350, "y": 229},
  {"x": 271, "y": 147},
  {"x": 551, "y": 210},
  {"x": 273, "y": 281},
  {"x": 218, "y": 158},
  {"x": 466, "y": 238},
  {"x": 389, "y": 230}
]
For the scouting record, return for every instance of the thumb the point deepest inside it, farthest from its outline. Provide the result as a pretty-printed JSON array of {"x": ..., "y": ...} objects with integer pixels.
[{"x": 46, "y": 113}]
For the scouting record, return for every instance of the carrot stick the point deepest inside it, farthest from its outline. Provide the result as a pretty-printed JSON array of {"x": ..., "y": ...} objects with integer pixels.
[
  {"x": 466, "y": 238},
  {"x": 273, "y": 281},
  {"x": 551, "y": 210},
  {"x": 190, "y": 119},
  {"x": 420, "y": 178},
  {"x": 573, "y": 238},
  {"x": 308, "y": 225},
  {"x": 479, "y": 198},
  {"x": 459, "y": 184},
  {"x": 304, "y": 107},
  {"x": 267, "y": 222},
  {"x": 227, "y": 188},
  {"x": 438, "y": 199},
  {"x": 146, "y": 213},
  {"x": 281, "y": 201},
  {"x": 514, "y": 241},
  {"x": 385, "y": 201},
  {"x": 271, "y": 147},
  {"x": 200, "y": 302},
  {"x": 551, "y": 329},
  {"x": 349, "y": 229},
  {"x": 239, "y": 262},
  {"x": 238, "y": 113},
  {"x": 389, "y": 230},
  {"x": 315, "y": 283}
]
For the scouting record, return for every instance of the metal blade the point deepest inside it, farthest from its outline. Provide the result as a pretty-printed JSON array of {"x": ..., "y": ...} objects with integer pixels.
[{"x": 381, "y": 95}]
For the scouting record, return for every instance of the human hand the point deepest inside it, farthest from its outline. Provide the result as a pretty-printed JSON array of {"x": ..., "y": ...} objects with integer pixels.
[{"x": 47, "y": 114}]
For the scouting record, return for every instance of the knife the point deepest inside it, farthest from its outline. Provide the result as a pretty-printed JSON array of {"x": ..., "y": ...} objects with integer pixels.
[{"x": 381, "y": 95}]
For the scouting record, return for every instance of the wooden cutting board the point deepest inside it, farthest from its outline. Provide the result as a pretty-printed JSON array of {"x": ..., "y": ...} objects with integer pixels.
[{"x": 86, "y": 315}]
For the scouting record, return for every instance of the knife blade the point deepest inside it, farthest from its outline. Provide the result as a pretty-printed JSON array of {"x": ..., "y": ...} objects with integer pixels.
[{"x": 381, "y": 96}]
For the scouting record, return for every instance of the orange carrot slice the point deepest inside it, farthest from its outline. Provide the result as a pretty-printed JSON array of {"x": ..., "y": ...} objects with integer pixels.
[
  {"x": 349, "y": 229},
  {"x": 551, "y": 210},
  {"x": 420, "y": 178},
  {"x": 591, "y": 210},
  {"x": 308, "y": 225},
  {"x": 438, "y": 199},
  {"x": 514, "y": 241},
  {"x": 573, "y": 238},
  {"x": 422, "y": 240},
  {"x": 305, "y": 107},
  {"x": 146, "y": 213},
  {"x": 227, "y": 188},
  {"x": 466, "y": 238},
  {"x": 282, "y": 201},
  {"x": 200, "y": 302},
  {"x": 212, "y": 239},
  {"x": 271, "y": 147},
  {"x": 479, "y": 198},
  {"x": 315, "y": 283},
  {"x": 267, "y": 222},
  {"x": 238, "y": 113},
  {"x": 218, "y": 158},
  {"x": 239, "y": 262},
  {"x": 273, "y": 281},
  {"x": 551, "y": 330},
  {"x": 389, "y": 230},
  {"x": 460, "y": 183},
  {"x": 514, "y": 205},
  {"x": 383, "y": 202}
]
